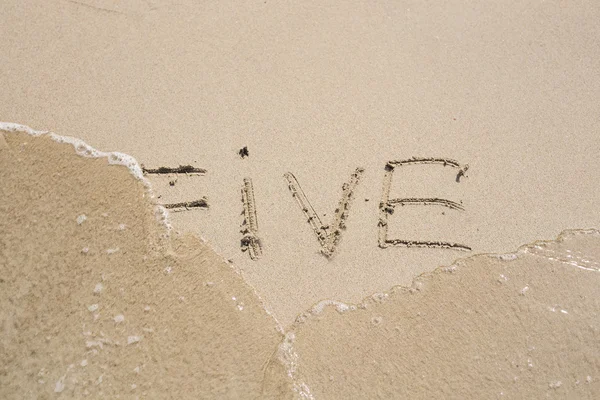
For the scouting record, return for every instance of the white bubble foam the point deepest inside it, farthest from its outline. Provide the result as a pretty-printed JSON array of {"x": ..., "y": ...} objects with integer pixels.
[
  {"x": 133, "y": 339},
  {"x": 60, "y": 385},
  {"x": 555, "y": 384},
  {"x": 93, "y": 343},
  {"x": 380, "y": 297},
  {"x": 339, "y": 306},
  {"x": 506, "y": 257},
  {"x": 450, "y": 270},
  {"x": 546, "y": 250}
]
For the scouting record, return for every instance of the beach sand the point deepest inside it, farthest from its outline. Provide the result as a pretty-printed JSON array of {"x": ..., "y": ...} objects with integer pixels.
[
  {"x": 96, "y": 302},
  {"x": 100, "y": 299},
  {"x": 523, "y": 325},
  {"x": 318, "y": 89},
  {"x": 332, "y": 103}
]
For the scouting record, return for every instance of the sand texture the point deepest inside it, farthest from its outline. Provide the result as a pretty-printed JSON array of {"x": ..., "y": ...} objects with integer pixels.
[
  {"x": 318, "y": 89},
  {"x": 98, "y": 299},
  {"x": 523, "y": 325},
  {"x": 96, "y": 303},
  {"x": 309, "y": 155}
]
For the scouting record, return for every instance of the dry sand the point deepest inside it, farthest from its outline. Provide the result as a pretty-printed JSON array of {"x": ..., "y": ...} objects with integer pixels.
[
  {"x": 318, "y": 89},
  {"x": 98, "y": 299}
]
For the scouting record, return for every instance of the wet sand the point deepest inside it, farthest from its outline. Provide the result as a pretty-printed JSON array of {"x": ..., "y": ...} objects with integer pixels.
[{"x": 96, "y": 301}]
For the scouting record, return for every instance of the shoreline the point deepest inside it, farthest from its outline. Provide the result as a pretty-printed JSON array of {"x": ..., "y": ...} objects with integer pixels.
[
  {"x": 129, "y": 305},
  {"x": 82, "y": 149}
]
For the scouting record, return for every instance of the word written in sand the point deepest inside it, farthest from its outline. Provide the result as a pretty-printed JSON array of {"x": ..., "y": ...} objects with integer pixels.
[
  {"x": 329, "y": 236},
  {"x": 182, "y": 169},
  {"x": 387, "y": 205},
  {"x": 250, "y": 241},
  {"x": 186, "y": 205}
]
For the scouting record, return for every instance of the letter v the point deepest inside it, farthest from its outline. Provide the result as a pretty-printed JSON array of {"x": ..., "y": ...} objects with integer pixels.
[{"x": 328, "y": 236}]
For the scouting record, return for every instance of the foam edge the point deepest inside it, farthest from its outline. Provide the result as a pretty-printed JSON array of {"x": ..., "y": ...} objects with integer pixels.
[
  {"x": 289, "y": 357},
  {"x": 537, "y": 248},
  {"x": 114, "y": 158}
]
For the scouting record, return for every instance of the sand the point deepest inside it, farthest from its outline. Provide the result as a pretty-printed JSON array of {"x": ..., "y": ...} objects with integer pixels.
[
  {"x": 96, "y": 302},
  {"x": 518, "y": 326},
  {"x": 100, "y": 299},
  {"x": 331, "y": 103},
  {"x": 318, "y": 90}
]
